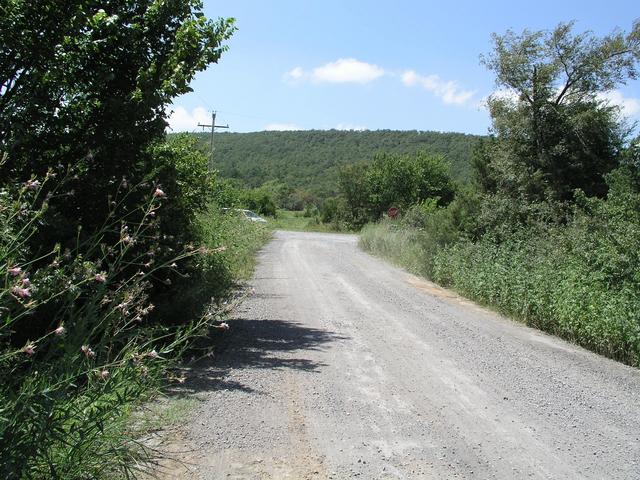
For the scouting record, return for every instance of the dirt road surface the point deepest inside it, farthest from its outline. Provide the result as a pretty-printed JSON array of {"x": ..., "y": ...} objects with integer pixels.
[{"x": 338, "y": 365}]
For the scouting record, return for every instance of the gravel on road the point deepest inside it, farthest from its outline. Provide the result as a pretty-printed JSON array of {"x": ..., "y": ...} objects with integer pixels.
[{"x": 338, "y": 365}]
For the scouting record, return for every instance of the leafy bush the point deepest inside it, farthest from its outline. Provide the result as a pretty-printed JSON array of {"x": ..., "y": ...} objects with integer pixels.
[
  {"x": 259, "y": 201},
  {"x": 184, "y": 173},
  {"x": 579, "y": 282},
  {"x": 393, "y": 180},
  {"x": 90, "y": 251}
]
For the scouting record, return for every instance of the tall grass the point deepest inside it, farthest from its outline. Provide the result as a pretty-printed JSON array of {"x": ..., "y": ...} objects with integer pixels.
[
  {"x": 578, "y": 280},
  {"x": 400, "y": 245},
  {"x": 80, "y": 348},
  {"x": 552, "y": 283},
  {"x": 239, "y": 238}
]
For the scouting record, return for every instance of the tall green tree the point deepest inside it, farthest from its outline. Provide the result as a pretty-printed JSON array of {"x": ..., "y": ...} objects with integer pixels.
[
  {"x": 554, "y": 131},
  {"x": 89, "y": 83}
]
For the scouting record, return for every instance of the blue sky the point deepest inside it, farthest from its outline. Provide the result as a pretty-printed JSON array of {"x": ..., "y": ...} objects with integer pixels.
[{"x": 352, "y": 64}]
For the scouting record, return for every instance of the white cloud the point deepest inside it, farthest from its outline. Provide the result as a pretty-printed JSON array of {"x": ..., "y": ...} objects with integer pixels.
[
  {"x": 295, "y": 75},
  {"x": 282, "y": 127},
  {"x": 448, "y": 91},
  {"x": 343, "y": 70},
  {"x": 181, "y": 120},
  {"x": 629, "y": 106},
  {"x": 347, "y": 70}
]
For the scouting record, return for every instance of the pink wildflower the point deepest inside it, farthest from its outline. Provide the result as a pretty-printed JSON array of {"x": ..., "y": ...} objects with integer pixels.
[
  {"x": 21, "y": 292},
  {"x": 153, "y": 354},
  {"x": 26, "y": 282},
  {"x": 101, "y": 277},
  {"x": 32, "y": 184},
  {"x": 58, "y": 332},
  {"x": 159, "y": 193},
  {"x": 104, "y": 374},
  {"x": 15, "y": 271},
  {"x": 87, "y": 351},
  {"x": 29, "y": 349}
]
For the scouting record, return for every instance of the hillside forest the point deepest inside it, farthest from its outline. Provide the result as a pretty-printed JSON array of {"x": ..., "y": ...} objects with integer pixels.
[{"x": 309, "y": 161}]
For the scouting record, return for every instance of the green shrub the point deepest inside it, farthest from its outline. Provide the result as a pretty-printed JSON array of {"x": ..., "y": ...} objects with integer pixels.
[
  {"x": 579, "y": 281},
  {"x": 393, "y": 180},
  {"x": 77, "y": 347},
  {"x": 576, "y": 277},
  {"x": 259, "y": 201}
]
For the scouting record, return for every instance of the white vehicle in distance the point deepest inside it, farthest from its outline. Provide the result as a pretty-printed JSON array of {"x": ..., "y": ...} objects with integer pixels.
[{"x": 248, "y": 214}]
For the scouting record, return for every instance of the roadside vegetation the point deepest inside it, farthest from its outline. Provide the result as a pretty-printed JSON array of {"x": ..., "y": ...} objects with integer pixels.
[
  {"x": 113, "y": 252},
  {"x": 116, "y": 251},
  {"x": 549, "y": 230}
]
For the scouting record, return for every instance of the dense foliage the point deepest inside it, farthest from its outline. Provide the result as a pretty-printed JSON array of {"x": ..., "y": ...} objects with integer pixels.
[
  {"x": 308, "y": 162},
  {"x": 392, "y": 180},
  {"x": 549, "y": 232},
  {"x": 556, "y": 135},
  {"x": 579, "y": 281},
  {"x": 111, "y": 240},
  {"x": 87, "y": 83}
]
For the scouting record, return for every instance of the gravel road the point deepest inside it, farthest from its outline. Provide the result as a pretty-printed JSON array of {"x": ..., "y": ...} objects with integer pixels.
[{"x": 338, "y": 365}]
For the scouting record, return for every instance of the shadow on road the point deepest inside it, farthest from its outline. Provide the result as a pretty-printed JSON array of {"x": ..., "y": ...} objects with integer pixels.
[{"x": 264, "y": 344}]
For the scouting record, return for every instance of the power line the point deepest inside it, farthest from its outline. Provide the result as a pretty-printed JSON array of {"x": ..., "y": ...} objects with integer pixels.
[{"x": 203, "y": 100}]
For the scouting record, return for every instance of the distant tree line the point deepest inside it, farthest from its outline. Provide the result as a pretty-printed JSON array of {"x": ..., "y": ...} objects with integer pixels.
[{"x": 308, "y": 162}]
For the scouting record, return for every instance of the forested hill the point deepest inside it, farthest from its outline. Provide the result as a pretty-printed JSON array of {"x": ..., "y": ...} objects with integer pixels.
[{"x": 311, "y": 159}]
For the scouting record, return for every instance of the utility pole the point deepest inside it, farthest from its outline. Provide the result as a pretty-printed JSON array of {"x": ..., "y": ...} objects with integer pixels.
[{"x": 213, "y": 126}]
